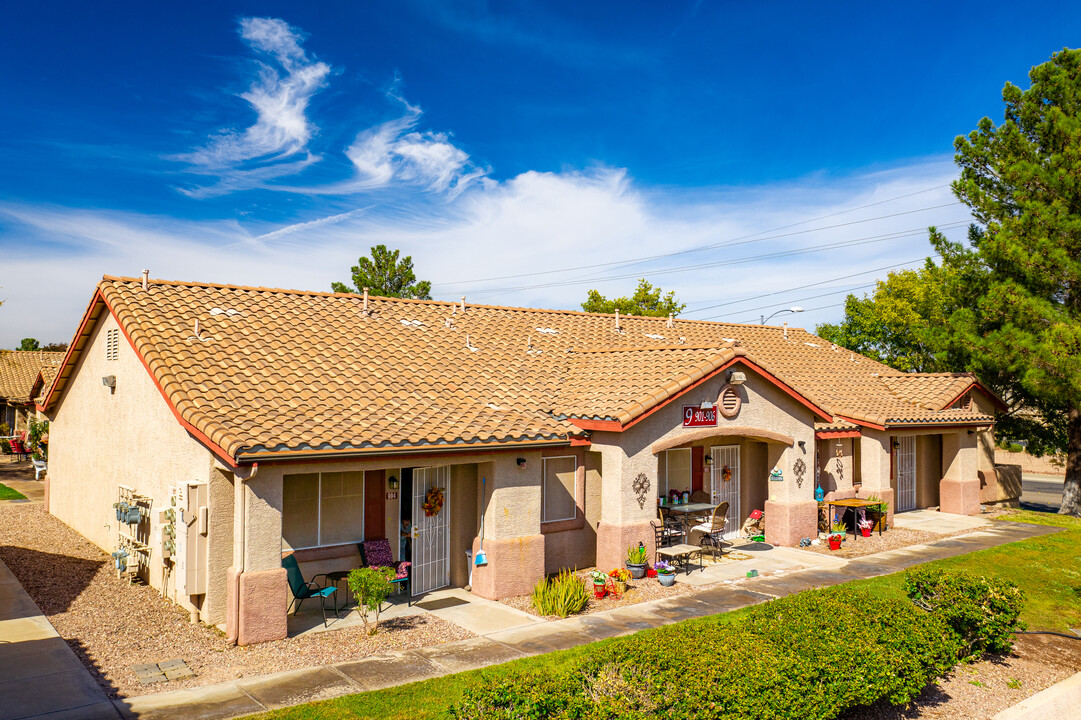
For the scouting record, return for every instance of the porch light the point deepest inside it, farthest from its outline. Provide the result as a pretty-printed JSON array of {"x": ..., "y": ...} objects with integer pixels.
[
  {"x": 109, "y": 381},
  {"x": 393, "y": 483},
  {"x": 521, "y": 463},
  {"x": 709, "y": 461}
]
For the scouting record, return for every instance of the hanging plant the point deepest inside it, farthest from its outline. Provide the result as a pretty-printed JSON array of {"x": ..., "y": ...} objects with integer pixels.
[
  {"x": 433, "y": 502},
  {"x": 726, "y": 473}
]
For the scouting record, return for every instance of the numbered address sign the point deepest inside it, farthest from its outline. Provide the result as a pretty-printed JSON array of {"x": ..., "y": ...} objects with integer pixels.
[{"x": 694, "y": 416}]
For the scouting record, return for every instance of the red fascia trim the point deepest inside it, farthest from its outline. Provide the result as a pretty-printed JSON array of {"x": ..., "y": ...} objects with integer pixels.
[
  {"x": 580, "y": 442},
  {"x": 210, "y": 444},
  {"x": 402, "y": 459},
  {"x": 584, "y": 424},
  {"x": 98, "y": 297},
  {"x": 977, "y": 385},
  {"x": 863, "y": 423},
  {"x": 830, "y": 434}
]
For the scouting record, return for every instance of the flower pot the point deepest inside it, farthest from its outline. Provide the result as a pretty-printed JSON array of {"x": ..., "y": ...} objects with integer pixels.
[
  {"x": 598, "y": 590},
  {"x": 637, "y": 571},
  {"x": 866, "y": 532},
  {"x": 621, "y": 586},
  {"x": 834, "y": 544},
  {"x": 667, "y": 579}
]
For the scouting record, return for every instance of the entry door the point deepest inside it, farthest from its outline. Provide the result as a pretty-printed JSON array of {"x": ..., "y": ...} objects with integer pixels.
[
  {"x": 906, "y": 474},
  {"x": 727, "y": 491},
  {"x": 431, "y": 535}
]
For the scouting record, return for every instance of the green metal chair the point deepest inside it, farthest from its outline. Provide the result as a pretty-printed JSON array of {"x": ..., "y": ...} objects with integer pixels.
[{"x": 304, "y": 590}]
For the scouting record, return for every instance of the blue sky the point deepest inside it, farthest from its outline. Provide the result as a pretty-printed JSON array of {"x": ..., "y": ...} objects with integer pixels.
[{"x": 788, "y": 152}]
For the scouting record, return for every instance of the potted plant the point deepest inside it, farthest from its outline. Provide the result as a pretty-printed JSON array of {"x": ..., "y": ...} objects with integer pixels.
[
  {"x": 865, "y": 526},
  {"x": 637, "y": 561},
  {"x": 620, "y": 577},
  {"x": 599, "y": 582},
  {"x": 837, "y": 535},
  {"x": 666, "y": 574}
]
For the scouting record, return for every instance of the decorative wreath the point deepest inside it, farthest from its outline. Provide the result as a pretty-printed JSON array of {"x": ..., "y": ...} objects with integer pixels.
[
  {"x": 726, "y": 473},
  {"x": 433, "y": 502}
]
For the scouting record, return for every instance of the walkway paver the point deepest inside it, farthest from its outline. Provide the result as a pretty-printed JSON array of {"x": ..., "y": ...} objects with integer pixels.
[
  {"x": 256, "y": 694},
  {"x": 41, "y": 675}
]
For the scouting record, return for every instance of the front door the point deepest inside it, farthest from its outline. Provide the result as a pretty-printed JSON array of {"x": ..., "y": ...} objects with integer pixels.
[
  {"x": 725, "y": 483},
  {"x": 431, "y": 533},
  {"x": 906, "y": 474}
]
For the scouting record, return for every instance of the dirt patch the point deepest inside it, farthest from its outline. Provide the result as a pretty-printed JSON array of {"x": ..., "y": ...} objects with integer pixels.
[
  {"x": 985, "y": 688},
  {"x": 112, "y": 625},
  {"x": 12, "y": 470}
]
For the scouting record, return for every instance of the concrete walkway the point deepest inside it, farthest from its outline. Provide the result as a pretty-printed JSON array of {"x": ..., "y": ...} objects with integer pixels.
[
  {"x": 257, "y": 694},
  {"x": 41, "y": 676}
]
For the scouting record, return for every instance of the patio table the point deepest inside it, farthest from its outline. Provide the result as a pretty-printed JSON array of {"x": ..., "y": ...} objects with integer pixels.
[
  {"x": 852, "y": 504},
  {"x": 681, "y": 555},
  {"x": 689, "y": 511}
]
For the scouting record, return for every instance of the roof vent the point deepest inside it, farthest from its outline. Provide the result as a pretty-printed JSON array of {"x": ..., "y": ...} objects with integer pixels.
[
  {"x": 366, "y": 311},
  {"x": 655, "y": 336},
  {"x": 469, "y": 345},
  {"x": 146, "y": 279},
  {"x": 415, "y": 323},
  {"x": 729, "y": 339},
  {"x": 669, "y": 323},
  {"x": 682, "y": 340},
  {"x": 618, "y": 328},
  {"x": 547, "y": 331},
  {"x": 786, "y": 331},
  {"x": 811, "y": 344},
  {"x": 449, "y": 322},
  {"x": 197, "y": 333},
  {"x": 463, "y": 303},
  {"x": 231, "y": 312}
]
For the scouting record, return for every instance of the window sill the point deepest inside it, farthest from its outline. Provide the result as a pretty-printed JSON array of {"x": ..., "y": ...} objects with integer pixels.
[
  {"x": 576, "y": 523},
  {"x": 328, "y": 552}
]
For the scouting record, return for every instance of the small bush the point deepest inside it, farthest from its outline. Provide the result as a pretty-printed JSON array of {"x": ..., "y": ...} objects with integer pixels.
[
  {"x": 981, "y": 611},
  {"x": 5, "y": 447},
  {"x": 563, "y": 595},
  {"x": 809, "y": 656},
  {"x": 370, "y": 587}
]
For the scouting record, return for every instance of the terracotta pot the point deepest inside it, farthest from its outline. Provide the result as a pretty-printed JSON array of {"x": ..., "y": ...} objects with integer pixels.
[{"x": 834, "y": 544}]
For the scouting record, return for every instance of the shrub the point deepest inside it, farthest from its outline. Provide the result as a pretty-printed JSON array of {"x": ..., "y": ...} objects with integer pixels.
[
  {"x": 5, "y": 447},
  {"x": 370, "y": 587},
  {"x": 981, "y": 611},
  {"x": 563, "y": 595},
  {"x": 811, "y": 655}
]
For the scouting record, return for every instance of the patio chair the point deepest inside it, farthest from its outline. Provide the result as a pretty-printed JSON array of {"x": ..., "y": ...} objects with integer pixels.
[
  {"x": 39, "y": 467},
  {"x": 666, "y": 531},
  {"x": 712, "y": 531},
  {"x": 304, "y": 590},
  {"x": 700, "y": 496},
  {"x": 19, "y": 450},
  {"x": 376, "y": 553}
]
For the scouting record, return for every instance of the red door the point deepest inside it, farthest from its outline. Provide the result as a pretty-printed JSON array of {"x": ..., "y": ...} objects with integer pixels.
[{"x": 374, "y": 505}]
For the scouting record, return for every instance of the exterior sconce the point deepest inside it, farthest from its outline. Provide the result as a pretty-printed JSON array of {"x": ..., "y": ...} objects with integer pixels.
[
  {"x": 521, "y": 463},
  {"x": 735, "y": 377},
  {"x": 971, "y": 432},
  {"x": 802, "y": 445},
  {"x": 109, "y": 381},
  {"x": 896, "y": 444},
  {"x": 393, "y": 483},
  {"x": 709, "y": 461}
]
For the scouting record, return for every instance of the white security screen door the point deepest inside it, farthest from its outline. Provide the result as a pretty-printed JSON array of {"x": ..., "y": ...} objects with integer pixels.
[
  {"x": 906, "y": 474},
  {"x": 431, "y": 535},
  {"x": 727, "y": 456}
]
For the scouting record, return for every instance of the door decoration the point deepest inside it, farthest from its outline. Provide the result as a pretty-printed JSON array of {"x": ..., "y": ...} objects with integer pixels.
[
  {"x": 641, "y": 488},
  {"x": 726, "y": 473},
  {"x": 799, "y": 469},
  {"x": 433, "y": 502}
]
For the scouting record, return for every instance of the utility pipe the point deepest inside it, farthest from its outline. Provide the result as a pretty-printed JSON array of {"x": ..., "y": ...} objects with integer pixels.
[{"x": 239, "y": 534}]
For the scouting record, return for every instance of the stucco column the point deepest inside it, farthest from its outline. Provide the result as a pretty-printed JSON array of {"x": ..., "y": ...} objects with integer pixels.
[
  {"x": 628, "y": 496},
  {"x": 959, "y": 491},
  {"x": 790, "y": 508},
  {"x": 513, "y": 544},
  {"x": 875, "y": 467},
  {"x": 258, "y": 597}
]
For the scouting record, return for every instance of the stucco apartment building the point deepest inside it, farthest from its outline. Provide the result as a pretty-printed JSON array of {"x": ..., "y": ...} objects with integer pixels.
[
  {"x": 23, "y": 376},
  {"x": 283, "y": 421}
]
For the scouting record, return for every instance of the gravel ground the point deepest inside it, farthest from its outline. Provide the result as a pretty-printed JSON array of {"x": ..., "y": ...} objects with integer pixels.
[
  {"x": 111, "y": 625},
  {"x": 983, "y": 689},
  {"x": 892, "y": 539}
]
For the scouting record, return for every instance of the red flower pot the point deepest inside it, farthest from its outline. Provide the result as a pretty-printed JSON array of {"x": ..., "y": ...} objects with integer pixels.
[
  {"x": 834, "y": 544},
  {"x": 599, "y": 591},
  {"x": 866, "y": 532}
]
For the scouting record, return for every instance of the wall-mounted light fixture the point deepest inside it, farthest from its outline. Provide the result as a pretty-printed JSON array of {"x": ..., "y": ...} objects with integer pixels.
[
  {"x": 709, "y": 461},
  {"x": 802, "y": 445},
  {"x": 735, "y": 377},
  {"x": 521, "y": 463},
  {"x": 896, "y": 444},
  {"x": 392, "y": 483},
  {"x": 971, "y": 432},
  {"x": 109, "y": 381}
]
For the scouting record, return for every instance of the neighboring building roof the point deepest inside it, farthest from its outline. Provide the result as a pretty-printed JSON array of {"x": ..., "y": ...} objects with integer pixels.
[
  {"x": 19, "y": 370},
  {"x": 288, "y": 372}
]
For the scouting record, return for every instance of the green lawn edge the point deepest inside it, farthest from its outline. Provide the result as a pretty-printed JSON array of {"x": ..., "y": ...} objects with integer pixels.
[
  {"x": 7, "y": 493},
  {"x": 1048, "y": 568}
]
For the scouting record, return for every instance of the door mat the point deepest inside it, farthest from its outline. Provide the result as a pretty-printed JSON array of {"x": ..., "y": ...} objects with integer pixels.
[
  {"x": 441, "y": 603},
  {"x": 755, "y": 547}
]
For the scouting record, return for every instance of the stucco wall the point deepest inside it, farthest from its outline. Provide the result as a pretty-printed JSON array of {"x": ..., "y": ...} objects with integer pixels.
[
  {"x": 99, "y": 439},
  {"x": 928, "y": 470},
  {"x": 576, "y": 546}
]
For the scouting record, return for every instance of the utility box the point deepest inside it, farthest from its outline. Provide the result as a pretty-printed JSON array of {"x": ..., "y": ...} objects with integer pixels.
[{"x": 192, "y": 519}]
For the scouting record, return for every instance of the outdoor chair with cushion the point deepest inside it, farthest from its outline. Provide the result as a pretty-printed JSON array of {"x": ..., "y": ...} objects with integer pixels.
[
  {"x": 666, "y": 531},
  {"x": 304, "y": 590},
  {"x": 376, "y": 553},
  {"x": 700, "y": 496},
  {"x": 712, "y": 531},
  {"x": 19, "y": 450}
]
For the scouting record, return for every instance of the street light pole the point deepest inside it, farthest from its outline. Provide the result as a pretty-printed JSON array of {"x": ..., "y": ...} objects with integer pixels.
[{"x": 794, "y": 309}]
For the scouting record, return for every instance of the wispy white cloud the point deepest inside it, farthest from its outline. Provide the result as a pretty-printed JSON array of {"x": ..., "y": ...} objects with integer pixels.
[{"x": 279, "y": 95}]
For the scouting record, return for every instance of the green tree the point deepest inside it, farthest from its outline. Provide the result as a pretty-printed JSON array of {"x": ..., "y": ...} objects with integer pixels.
[
  {"x": 383, "y": 274},
  {"x": 29, "y": 344},
  {"x": 647, "y": 300},
  {"x": 55, "y": 347}
]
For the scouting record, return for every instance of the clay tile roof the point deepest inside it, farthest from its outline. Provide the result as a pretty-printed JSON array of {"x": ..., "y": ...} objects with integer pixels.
[
  {"x": 19, "y": 370},
  {"x": 276, "y": 370}
]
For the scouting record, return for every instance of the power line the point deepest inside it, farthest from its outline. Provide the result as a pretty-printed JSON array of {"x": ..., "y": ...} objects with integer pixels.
[
  {"x": 734, "y": 241},
  {"x": 848, "y": 290}
]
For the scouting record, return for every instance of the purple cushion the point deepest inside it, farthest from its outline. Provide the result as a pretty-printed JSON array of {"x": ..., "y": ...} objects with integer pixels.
[
  {"x": 403, "y": 570},
  {"x": 377, "y": 553}
]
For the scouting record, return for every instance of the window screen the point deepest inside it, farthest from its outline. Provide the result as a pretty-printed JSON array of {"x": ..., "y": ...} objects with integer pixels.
[
  {"x": 559, "y": 485},
  {"x": 322, "y": 509},
  {"x": 677, "y": 471}
]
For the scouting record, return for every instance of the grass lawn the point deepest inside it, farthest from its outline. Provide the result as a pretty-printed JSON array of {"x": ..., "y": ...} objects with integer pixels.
[
  {"x": 1047, "y": 568},
  {"x": 7, "y": 493}
]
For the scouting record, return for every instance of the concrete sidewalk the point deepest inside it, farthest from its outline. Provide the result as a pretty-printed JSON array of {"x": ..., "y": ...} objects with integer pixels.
[
  {"x": 41, "y": 675},
  {"x": 258, "y": 694}
]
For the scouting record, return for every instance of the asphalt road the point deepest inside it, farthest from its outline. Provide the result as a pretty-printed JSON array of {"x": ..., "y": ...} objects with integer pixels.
[{"x": 1041, "y": 492}]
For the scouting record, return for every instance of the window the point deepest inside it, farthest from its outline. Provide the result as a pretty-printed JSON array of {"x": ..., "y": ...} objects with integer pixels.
[
  {"x": 674, "y": 471},
  {"x": 112, "y": 344},
  {"x": 322, "y": 509},
  {"x": 557, "y": 493}
]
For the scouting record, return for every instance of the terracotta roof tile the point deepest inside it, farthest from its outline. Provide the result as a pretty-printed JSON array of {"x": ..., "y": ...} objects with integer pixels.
[
  {"x": 276, "y": 370},
  {"x": 19, "y": 371}
]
